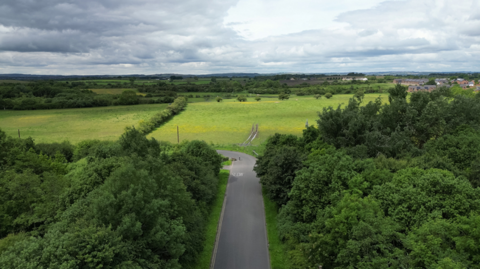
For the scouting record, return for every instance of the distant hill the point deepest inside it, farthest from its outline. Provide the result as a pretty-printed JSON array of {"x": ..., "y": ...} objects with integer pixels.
[{"x": 167, "y": 75}]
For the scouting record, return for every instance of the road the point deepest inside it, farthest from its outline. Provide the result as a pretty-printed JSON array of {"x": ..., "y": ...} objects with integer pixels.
[{"x": 243, "y": 240}]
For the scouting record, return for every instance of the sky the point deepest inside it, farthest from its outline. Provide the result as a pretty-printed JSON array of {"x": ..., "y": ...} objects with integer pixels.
[{"x": 97, "y": 37}]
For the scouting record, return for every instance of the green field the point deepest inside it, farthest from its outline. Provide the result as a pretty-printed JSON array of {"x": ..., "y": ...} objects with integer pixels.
[
  {"x": 224, "y": 123},
  {"x": 231, "y": 121},
  {"x": 75, "y": 125}
]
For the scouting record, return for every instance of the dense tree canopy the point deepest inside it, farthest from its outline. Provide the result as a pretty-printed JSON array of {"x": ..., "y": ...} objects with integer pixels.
[
  {"x": 123, "y": 204},
  {"x": 377, "y": 185}
]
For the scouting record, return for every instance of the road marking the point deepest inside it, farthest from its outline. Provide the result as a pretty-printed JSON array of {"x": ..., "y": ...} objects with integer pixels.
[{"x": 237, "y": 174}]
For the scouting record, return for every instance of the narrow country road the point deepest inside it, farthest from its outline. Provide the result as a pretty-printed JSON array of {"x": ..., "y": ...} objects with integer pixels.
[{"x": 243, "y": 240}]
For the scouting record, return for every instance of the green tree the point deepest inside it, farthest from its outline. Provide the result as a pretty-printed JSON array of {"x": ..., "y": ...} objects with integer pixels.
[
  {"x": 356, "y": 234},
  {"x": 258, "y": 98},
  {"x": 431, "y": 82},
  {"x": 277, "y": 167},
  {"x": 328, "y": 95},
  {"x": 128, "y": 98},
  {"x": 132, "y": 80},
  {"x": 219, "y": 99},
  {"x": 415, "y": 196},
  {"x": 283, "y": 96},
  {"x": 242, "y": 98}
]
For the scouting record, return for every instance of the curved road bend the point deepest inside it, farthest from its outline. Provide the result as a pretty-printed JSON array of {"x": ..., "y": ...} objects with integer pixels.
[{"x": 243, "y": 236}]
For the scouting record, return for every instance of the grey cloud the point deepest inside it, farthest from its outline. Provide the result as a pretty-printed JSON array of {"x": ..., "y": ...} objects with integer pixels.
[{"x": 151, "y": 36}]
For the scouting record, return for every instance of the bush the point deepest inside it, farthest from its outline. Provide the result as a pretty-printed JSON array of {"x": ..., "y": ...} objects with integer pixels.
[
  {"x": 317, "y": 96},
  {"x": 242, "y": 98},
  {"x": 258, "y": 98},
  {"x": 283, "y": 96},
  {"x": 219, "y": 99},
  {"x": 328, "y": 95}
]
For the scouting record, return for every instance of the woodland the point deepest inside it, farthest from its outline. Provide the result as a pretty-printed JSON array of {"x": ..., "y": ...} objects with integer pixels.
[
  {"x": 393, "y": 185},
  {"x": 130, "y": 203}
]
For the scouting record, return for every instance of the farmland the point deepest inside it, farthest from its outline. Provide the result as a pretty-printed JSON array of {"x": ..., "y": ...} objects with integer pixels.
[
  {"x": 221, "y": 123},
  {"x": 231, "y": 121},
  {"x": 75, "y": 125}
]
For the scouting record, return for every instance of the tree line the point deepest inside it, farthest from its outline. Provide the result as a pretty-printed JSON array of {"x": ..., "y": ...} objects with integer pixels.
[
  {"x": 58, "y": 95},
  {"x": 130, "y": 203},
  {"x": 392, "y": 185}
]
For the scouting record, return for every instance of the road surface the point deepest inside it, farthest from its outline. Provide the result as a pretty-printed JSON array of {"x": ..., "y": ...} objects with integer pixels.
[{"x": 243, "y": 240}]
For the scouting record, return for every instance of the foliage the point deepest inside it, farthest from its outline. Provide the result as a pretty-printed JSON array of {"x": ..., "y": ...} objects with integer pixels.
[
  {"x": 158, "y": 119},
  {"x": 242, "y": 98},
  {"x": 277, "y": 166},
  {"x": 381, "y": 185},
  {"x": 116, "y": 204},
  {"x": 328, "y": 95},
  {"x": 283, "y": 96}
]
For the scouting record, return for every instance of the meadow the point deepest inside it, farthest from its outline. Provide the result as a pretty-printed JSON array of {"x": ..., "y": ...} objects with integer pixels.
[
  {"x": 75, "y": 125},
  {"x": 225, "y": 123},
  {"x": 230, "y": 121}
]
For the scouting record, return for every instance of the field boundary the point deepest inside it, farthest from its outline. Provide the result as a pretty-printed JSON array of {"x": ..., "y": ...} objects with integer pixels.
[{"x": 160, "y": 118}]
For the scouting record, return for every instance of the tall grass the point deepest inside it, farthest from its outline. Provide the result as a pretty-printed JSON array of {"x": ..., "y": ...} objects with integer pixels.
[{"x": 276, "y": 248}]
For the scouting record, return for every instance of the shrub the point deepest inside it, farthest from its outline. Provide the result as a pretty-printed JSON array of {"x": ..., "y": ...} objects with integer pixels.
[
  {"x": 242, "y": 98},
  {"x": 328, "y": 95},
  {"x": 283, "y": 96}
]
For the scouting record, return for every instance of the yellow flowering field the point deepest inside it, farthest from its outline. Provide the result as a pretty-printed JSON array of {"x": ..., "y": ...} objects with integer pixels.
[{"x": 231, "y": 121}]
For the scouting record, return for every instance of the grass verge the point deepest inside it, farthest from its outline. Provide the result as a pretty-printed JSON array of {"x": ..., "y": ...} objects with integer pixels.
[
  {"x": 211, "y": 232},
  {"x": 247, "y": 149},
  {"x": 276, "y": 248},
  {"x": 227, "y": 163}
]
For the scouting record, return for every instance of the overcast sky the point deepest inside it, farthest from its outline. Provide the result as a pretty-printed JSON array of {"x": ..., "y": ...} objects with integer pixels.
[{"x": 219, "y": 36}]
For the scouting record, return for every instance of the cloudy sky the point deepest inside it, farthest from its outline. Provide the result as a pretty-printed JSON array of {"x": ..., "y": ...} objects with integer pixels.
[{"x": 218, "y": 36}]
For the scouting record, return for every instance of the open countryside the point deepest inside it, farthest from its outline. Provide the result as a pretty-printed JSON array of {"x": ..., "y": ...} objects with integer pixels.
[
  {"x": 230, "y": 121},
  {"x": 227, "y": 122},
  {"x": 75, "y": 125},
  {"x": 308, "y": 125},
  {"x": 293, "y": 134}
]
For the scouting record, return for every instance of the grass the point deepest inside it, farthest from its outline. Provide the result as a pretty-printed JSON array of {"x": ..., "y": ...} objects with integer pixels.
[
  {"x": 230, "y": 122},
  {"x": 223, "y": 124},
  {"x": 276, "y": 248},
  {"x": 259, "y": 149},
  {"x": 115, "y": 91},
  {"x": 211, "y": 233},
  {"x": 227, "y": 163},
  {"x": 75, "y": 125}
]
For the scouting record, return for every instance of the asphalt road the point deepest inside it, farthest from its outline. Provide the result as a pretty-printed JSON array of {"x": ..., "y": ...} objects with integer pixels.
[{"x": 243, "y": 239}]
